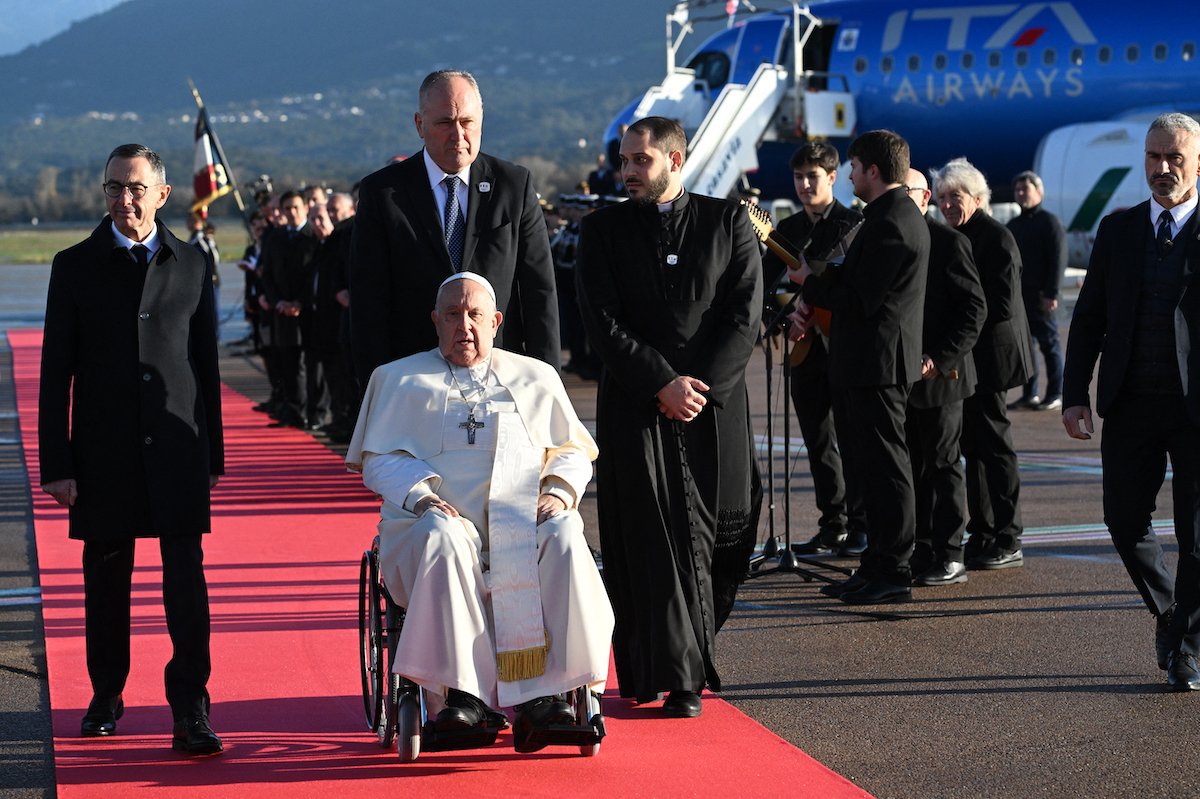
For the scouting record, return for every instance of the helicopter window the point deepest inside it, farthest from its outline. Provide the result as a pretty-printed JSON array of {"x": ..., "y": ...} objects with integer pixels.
[
  {"x": 1021, "y": 59},
  {"x": 994, "y": 59},
  {"x": 1077, "y": 56},
  {"x": 1189, "y": 51},
  {"x": 860, "y": 65},
  {"x": 885, "y": 66},
  {"x": 939, "y": 62},
  {"x": 914, "y": 63},
  {"x": 711, "y": 66},
  {"x": 968, "y": 60},
  {"x": 1133, "y": 53},
  {"x": 1104, "y": 54},
  {"x": 1049, "y": 56},
  {"x": 1160, "y": 52}
]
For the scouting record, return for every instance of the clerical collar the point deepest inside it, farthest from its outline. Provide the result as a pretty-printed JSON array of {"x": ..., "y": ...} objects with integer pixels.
[
  {"x": 151, "y": 242},
  {"x": 478, "y": 372},
  {"x": 669, "y": 204},
  {"x": 1179, "y": 214}
]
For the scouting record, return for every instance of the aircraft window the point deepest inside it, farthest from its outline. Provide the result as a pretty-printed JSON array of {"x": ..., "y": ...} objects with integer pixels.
[
  {"x": 885, "y": 66},
  {"x": 1104, "y": 54},
  {"x": 1189, "y": 51},
  {"x": 1049, "y": 56},
  {"x": 939, "y": 62},
  {"x": 914, "y": 63},
  {"x": 994, "y": 59},
  {"x": 860, "y": 65},
  {"x": 1077, "y": 56},
  {"x": 711, "y": 66},
  {"x": 968, "y": 60},
  {"x": 1021, "y": 59},
  {"x": 1160, "y": 52},
  {"x": 1133, "y": 53}
]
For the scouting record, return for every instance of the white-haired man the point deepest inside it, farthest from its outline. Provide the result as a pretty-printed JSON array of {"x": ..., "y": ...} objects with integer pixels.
[
  {"x": 1138, "y": 312},
  {"x": 481, "y": 463}
]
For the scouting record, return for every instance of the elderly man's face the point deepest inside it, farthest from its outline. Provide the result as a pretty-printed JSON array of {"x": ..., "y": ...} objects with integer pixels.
[
  {"x": 918, "y": 189},
  {"x": 957, "y": 206},
  {"x": 451, "y": 124},
  {"x": 318, "y": 216},
  {"x": 1172, "y": 164},
  {"x": 1026, "y": 195},
  {"x": 134, "y": 216},
  {"x": 466, "y": 322}
]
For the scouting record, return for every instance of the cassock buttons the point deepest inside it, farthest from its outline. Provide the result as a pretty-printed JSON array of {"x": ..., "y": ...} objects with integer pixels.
[
  {"x": 143, "y": 315},
  {"x": 146, "y": 378},
  {"x": 149, "y": 439}
]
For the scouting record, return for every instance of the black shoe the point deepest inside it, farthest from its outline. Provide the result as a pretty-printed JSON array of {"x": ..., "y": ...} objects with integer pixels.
[
  {"x": 682, "y": 705},
  {"x": 1025, "y": 403},
  {"x": 101, "y": 717},
  {"x": 1182, "y": 674},
  {"x": 851, "y": 583},
  {"x": 946, "y": 573},
  {"x": 462, "y": 712},
  {"x": 997, "y": 557},
  {"x": 194, "y": 736},
  {"x": 541, "y": 712},
  {"x": 877, "y": 592},
  {"x": 1162, "y": 648},
  {"x": 856, "y": 544},
  {"x": 822, "y": 543}
]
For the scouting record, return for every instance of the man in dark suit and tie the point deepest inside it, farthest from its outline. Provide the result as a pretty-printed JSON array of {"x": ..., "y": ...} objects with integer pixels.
[
  {"x": 1139, "y": 312},
  {"x": 449, "y": 209},
  {"x": 129, "y": 433},
  {"x": 875, "y": 356}
]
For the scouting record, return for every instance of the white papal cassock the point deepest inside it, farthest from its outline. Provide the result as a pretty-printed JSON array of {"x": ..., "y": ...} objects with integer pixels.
[{"x": 465, "y": 588}]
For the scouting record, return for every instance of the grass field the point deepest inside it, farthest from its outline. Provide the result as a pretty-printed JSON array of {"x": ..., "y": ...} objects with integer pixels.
[{"x": 38, "y": 246}]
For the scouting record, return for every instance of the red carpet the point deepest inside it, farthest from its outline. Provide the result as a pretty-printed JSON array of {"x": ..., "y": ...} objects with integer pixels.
[{"x": 289, "y": 526}]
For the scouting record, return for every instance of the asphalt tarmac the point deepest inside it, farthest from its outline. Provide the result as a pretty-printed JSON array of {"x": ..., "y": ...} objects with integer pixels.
[{"x": 1038, "y": 681}]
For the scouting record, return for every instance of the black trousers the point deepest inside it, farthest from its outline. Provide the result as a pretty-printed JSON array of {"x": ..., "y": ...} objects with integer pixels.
[
  {"x": 292, "y": 380},
  {"x": 993, "y": 480},
  {"x": 933, "y": 444},
  {"x": 1139, "y": 433},
  {"x": 820, "y": 409},
  {"x": 107, "y": 579},
  {"x": 879, "y": 454}
]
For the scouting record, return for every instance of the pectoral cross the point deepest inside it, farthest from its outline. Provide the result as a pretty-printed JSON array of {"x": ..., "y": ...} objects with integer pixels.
[{"x": 470, "y": 426}]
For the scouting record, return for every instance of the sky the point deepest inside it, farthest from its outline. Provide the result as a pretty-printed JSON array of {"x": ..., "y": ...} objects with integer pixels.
[{"x": 26, "y": 22}]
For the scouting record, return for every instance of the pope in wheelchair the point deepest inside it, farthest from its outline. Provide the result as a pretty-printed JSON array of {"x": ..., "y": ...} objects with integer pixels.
[{"x": 481, "y": 461}]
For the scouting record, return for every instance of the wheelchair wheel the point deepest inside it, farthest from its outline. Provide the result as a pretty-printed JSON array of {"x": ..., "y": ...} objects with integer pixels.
[
  {"x": 408, "y": 727},
  {"x": 589, "y": 750},
  {"x": 370, "y": 631}
]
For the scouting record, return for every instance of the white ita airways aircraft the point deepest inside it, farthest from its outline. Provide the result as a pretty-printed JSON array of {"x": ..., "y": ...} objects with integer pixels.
[{"x": 1064, "y": 88}]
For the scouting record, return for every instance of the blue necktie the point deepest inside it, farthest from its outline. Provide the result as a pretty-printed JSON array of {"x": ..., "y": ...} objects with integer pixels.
[{"x": 454, "y": 223}]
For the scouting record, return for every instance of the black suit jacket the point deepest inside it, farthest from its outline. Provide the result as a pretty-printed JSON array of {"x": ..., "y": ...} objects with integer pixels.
[
  {"x": 836, "y": 223},
  {"x": 1003, "y": 354},
  {"x": 1106, "y": 312},
  {"x": 398, "y": 258},
  {"x": 954, "y": 314},
  {"x": 134, "y": 364},
  {"x": 878, "y": 302},
  {"x": 288, "y": 265}
]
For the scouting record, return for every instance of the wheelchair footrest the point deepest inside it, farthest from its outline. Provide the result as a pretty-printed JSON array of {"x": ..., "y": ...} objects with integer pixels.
[
  {"x": 450, "y": 740},
  {"x": 568, "y": 734}
]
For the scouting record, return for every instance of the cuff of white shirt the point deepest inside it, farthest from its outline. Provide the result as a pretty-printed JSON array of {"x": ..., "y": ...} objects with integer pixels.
[{"x": 557, "y": 487}]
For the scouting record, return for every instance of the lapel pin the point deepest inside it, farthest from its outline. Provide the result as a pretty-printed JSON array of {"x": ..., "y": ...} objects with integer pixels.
[
  {"x": 485, "y": 187},
  {"x": 672, "y": 259}
]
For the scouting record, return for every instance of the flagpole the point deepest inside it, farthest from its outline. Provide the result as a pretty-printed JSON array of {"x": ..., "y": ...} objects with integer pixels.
[{"x": 237, "y": 195}]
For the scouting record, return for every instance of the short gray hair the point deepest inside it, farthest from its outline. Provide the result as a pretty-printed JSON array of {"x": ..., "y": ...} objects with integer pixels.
[
  {"x": 1030, "y": 177},
  {"x": 440, "y": 76},
  {"x": 961, "y": 174},
  {"x": 1175, "y": 121}
]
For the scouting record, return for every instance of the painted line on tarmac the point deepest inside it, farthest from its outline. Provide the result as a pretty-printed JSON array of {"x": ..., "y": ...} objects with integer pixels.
[
  {"x": 1083, "y": 532},
  {"x": 20, "y": 596}
]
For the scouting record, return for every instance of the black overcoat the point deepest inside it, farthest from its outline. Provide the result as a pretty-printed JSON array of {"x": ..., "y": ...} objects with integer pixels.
[
  {"x": 664, "y": 295},
  {"x": 134, "y": 365}
]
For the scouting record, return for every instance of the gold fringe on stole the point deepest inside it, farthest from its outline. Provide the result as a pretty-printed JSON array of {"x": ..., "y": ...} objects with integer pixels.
[{"x": 525, "y": 663}]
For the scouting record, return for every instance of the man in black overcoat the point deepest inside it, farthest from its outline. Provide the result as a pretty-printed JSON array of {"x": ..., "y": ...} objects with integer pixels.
[
  {"x": 875, "y": 357},
  {"x": 1003, "y": 360},
  {"x": 954, "y": 314},
  {"x": 1139, "y": 313},
  {"x": 129, "y": 433},
  {"x": 670, "y": 286},
  {"x": 822, "y": 223},
  {"x": 411, "y": 233}
]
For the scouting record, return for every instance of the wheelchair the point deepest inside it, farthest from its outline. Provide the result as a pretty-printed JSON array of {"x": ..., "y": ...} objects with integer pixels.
[{"x": 395, "y": 707}]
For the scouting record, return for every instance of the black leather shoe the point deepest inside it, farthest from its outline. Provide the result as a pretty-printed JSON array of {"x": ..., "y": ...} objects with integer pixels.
[
  {"x": 101, "y": 717},
  {"x": 823, "y": 543},
  {"x": 946, "y": 573},
  {"x": 462, "y": 712},
  {"x": 851, "y": 583},
  {"x": 1025, "y": 403},
  {"x": 996, "y": 557},
  {"x": 856, "y": 544},
  {"x": 682, "y": 705},
  {"x": 194, "y": 736},
  {"x": 1161, "y": 647},
  {"x": 877, "y": 592},
  {"x": 1182, "y": 674},
  {"x": 541, "y": 712}
]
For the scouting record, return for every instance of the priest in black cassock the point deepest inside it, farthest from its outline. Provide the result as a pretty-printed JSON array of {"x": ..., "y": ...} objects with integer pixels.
[{"x": 670, "y": 287}]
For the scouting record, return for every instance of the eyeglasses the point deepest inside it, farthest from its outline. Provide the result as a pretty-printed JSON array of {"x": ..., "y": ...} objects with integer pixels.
[
  {"x": 911, "y": 189},
  {"x": 136, "y": 190}
]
